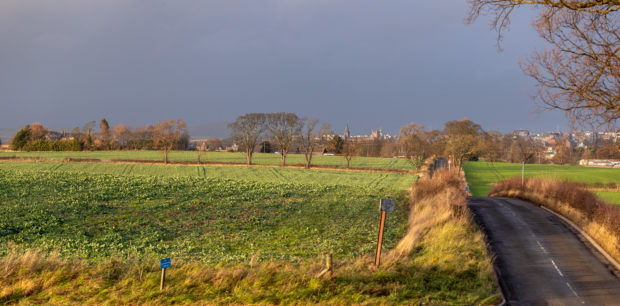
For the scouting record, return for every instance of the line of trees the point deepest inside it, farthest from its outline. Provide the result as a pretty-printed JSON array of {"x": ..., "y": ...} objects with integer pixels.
[
  {"x": 284, "y": 129},
  {"x": 166, "y": 135}
]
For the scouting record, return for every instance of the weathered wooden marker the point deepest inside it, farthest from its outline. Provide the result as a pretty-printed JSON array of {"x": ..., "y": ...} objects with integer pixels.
[
  {"x": 164, "y": 264},
  {"x": 385, "y": 205}
]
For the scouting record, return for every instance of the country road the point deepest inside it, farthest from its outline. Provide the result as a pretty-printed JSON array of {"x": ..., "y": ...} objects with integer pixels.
[{"x": 539, "y": 259}]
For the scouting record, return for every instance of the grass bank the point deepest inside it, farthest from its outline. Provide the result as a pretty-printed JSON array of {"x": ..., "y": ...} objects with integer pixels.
[{"x": 599, "y": 219}]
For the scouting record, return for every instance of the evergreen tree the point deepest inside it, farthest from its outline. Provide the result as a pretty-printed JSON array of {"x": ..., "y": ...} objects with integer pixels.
[{"x": 21, "y": 138}]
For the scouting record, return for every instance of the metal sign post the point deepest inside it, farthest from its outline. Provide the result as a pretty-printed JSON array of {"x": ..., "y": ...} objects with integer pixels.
[
  {"x": 164, "y": 263},
  {"x": 386, "y": 206}
]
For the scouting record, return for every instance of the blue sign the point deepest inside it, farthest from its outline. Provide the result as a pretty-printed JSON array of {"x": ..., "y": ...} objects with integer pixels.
[
  {"x": 467, "y": 188},
  {"x": 165, "y": 263}
]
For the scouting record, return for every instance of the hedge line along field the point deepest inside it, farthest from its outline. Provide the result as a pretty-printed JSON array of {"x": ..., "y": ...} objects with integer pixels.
[
  {"x": 224, "y": 157},
  {"x": 213, "y": 219},
  {"x": 482, "y": 175}
]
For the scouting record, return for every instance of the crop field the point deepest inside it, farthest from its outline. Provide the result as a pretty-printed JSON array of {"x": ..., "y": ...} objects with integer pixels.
[
  {"x": 93, "y": 233},
  {"x": 481, "y": 176},
  {"x": 207, "y": 214},
  {"x": 395, "y": 181},
  {"x": 225, "y": 157}
]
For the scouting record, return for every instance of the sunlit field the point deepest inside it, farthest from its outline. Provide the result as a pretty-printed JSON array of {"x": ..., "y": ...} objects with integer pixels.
[
  {"x": 92, "y": 233},
  {"x": 224, "y": 157},
  {"x": 212, "y": 214},
  {"x": 482, "y": 175}
]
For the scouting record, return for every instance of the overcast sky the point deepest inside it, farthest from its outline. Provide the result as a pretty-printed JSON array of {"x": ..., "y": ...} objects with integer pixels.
[{"x": 367, "y": 63}]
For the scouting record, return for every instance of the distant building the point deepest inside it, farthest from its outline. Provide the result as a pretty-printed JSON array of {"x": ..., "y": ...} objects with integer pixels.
[
  {"x": 600, "y": 163},
  {"x": 376, "y": 134},
  {"x": 347, "y": 133},
  {"x": 521, "y": 133}
]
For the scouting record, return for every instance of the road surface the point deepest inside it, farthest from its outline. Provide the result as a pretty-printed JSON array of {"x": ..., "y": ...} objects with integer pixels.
[{"x": 540, "y": 260}]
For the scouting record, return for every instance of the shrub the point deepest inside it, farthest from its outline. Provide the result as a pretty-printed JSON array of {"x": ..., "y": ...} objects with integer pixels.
[
  {"x": 54, "y": 145},
  {"x": 20, "y": 139}
]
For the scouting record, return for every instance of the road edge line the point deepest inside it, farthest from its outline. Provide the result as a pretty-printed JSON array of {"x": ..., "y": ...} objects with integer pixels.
[{"x": 595, "y": 244}]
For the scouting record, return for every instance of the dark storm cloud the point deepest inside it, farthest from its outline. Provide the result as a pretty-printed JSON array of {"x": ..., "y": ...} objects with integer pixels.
[{"x": 366, "y": 63}]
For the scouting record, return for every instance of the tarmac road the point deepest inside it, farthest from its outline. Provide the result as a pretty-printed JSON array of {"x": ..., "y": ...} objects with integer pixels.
[{"x": 540, "y": 260}]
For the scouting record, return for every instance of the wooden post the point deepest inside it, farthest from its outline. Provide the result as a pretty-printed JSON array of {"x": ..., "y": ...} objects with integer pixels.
[
  {"x": 380, "y": 239},
  {"x": 328, "y": 261},
  {"x": 163, "y": 279},
  {"x": 328, "y": 266}
]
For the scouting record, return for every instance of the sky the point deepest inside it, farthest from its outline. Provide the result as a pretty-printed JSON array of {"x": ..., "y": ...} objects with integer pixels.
[{"x": 365, "y": 63}]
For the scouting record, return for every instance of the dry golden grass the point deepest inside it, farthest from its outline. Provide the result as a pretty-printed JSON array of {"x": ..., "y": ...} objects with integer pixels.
[
  {"x": 434, "y": 201},
  {"x": 599, "y": 219}
]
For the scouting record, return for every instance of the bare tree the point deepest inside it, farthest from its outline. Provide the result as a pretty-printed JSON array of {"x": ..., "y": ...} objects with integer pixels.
[
  {"x": 37, "y": 131},
  {"x": 462, "y": 140},
  {"x": 121, "y": 134},
  {"x": 169, "y": 135},
  {"x": 413, "y": 143},
  {"x": 310, "y": 138},
  {"x": 246, "y": 130},
  {"x": 492, "y": 146},
  {"x": 580, "y": 74},
  {"x": 523, "y": 150},
  {"x": 608, "y": 149},
  {"x": 283, "y": 126},
  {"x": 349, "y": 150},
  {"x": 563, "y": 151}
]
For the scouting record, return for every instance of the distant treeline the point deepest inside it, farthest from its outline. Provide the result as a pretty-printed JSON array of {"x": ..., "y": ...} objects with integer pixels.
[{"x": 165, "y": 135}]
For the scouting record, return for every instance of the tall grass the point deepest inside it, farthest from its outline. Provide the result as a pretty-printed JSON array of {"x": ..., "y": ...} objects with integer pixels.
[
  {"x": 596, "y": 217},
  {"x": 434, "y": 201}
]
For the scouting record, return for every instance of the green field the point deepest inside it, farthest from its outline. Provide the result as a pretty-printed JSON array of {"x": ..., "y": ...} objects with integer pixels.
[
  {"x": 481, "y": 175},
  {"x": 609, "y": 196},
  {"x": 93, "y": 233},
  {"x": 225, "y": 157},
  {"x": 209, "y": 214}
]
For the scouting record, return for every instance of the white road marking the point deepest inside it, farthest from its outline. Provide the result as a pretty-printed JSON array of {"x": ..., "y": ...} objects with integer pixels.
[
  {"x": 541, "y": 247},
  {"x": 575, "y": 293},
  {"x": 557, "y": 269}
]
